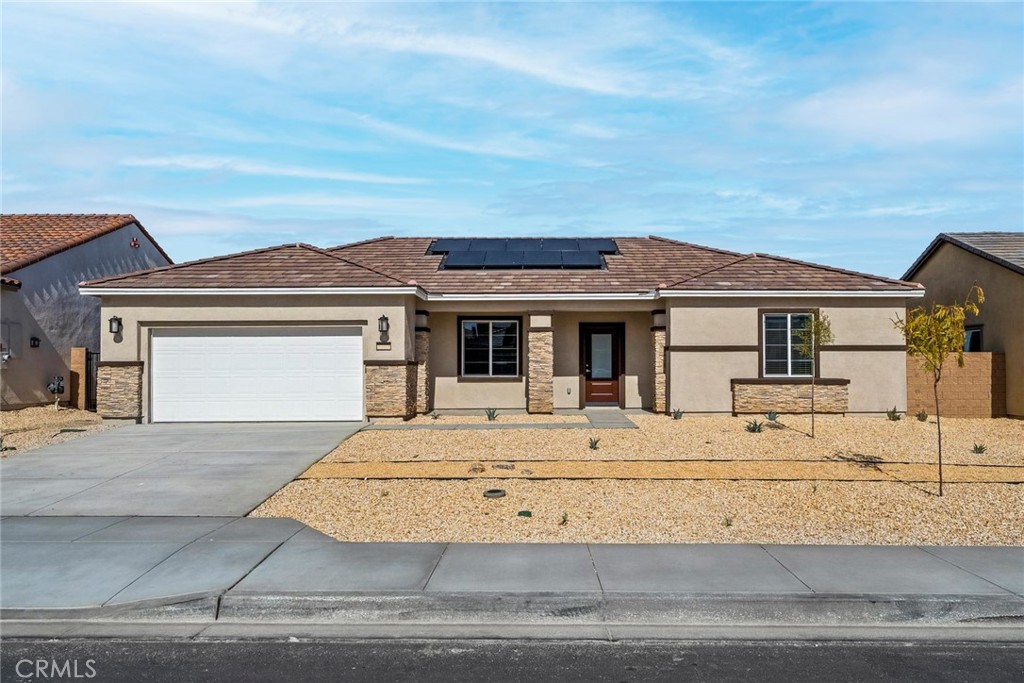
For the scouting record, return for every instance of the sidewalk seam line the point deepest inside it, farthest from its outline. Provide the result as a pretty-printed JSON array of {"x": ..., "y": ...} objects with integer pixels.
[
  {"x": 434, "y": 568},
  {"x": 791, "y": 572},
  {"x": 964, "y": 569}
]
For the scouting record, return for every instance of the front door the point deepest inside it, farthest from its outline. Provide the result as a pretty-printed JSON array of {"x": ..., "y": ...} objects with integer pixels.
[{"x": 601, "y": 353}]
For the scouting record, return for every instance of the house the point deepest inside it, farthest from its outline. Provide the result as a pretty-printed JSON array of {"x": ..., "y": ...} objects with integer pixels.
[
  {"x": 43, "y": 317},
  {"x": 398, "y": 326},
  {"x": 948, "y": 268}
]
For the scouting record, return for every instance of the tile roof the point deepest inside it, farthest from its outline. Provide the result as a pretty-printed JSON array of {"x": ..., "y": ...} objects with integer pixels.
[
  {"x": 289, "y": 265},
  {"x": 1004, "y": 248},
  {"x": 642, "y": 265},
  {"x": 28, "y": 238}
]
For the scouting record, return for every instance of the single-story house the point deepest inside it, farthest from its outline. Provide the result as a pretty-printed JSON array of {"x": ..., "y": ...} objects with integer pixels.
[
  {"x": 952, "y": 264},
  {"x": 398, "y": 326},
  {"x": 43, "y": 317}
]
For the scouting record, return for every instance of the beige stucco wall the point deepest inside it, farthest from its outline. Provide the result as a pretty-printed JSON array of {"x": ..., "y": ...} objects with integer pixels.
[
  {"x": 49, "y": 306},
  {"x": 699, "y": 381},
  {"x": 141, "y": 314},
  {"x": 565, "y": 317},
  {"x": 948, "y": 276}
]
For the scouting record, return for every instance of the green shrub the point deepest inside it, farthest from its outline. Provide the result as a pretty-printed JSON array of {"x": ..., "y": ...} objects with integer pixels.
[
  {"x": 755, "y": 426},
  {"x": 772, "y": 416},
  {"x": 979, "y": 448},
  {"x": 893, "y": 415},
  {"x": 593, "y": 443},
  {"x": 492, "y": 414},
  {"x": 435, "y": 415},
  {"x": 677, "y": 414},
  {"x": 727, "y": 522},
  {"x": 921, "y": 416}
]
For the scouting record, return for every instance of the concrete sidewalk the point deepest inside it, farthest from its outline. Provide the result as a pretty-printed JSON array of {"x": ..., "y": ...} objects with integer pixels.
[{"x": 244, "y": 570}]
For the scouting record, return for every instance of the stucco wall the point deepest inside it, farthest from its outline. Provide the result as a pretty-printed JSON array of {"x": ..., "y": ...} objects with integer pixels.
[
  {"x": 48, "y": 306},
  {"x": 948, "y": 276},
  {"x": 141, "y": 314},
  {"x": 699, "y": 379}
]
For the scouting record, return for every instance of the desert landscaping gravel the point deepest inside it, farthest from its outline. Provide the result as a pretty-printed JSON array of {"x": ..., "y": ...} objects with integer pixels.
[
  {"x": 502, "y": 418},
  {"x": 671, "y": 511},
  {"x": 31, "y": 428}
]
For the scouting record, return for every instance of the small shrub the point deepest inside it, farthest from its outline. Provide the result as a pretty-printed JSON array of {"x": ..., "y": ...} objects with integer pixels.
[
  {"x": 727, "y": 522},
  {"x": 754, "y": 426},
  {"x": 565, "y": 519},
  {"x": 492, "y": 414},
  {"x": 893, "y": 415},
  {"x": 593, "y": 443},
  {"x": 772, "y": 416},
  {"x": 979, "y": 448},
  {"x": 921, "y": 416},
  {"x": 4, "y": 447},
  {"x": 525, "y": 513},
  {"x": 677, "y": 414},
  {"x": 435, "y": 415}
]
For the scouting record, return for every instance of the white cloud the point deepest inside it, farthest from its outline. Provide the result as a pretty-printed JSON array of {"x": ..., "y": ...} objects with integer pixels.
[{"x": 246, "y": 167}]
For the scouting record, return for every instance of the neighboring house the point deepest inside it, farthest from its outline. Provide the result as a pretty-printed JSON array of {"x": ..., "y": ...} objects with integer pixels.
[
  {"x": 950, "y": 266},
  {"x": 396, "y": 326},
  {"x": 43, "y": 257}
]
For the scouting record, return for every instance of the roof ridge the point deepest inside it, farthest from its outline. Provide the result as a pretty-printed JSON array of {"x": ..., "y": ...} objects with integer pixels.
[
  {"x": 325, "y": 252},
  {"x": 174, "y": 266},
  {"x": 711, "y": 270},
  {"x": 695, "y": 246},
  {"x": 834, "y": 269},
  {"x": 355, "y": 244}
]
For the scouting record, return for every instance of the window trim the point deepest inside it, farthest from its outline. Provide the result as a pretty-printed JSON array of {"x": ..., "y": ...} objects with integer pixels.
[
  {"x": 460, "y": 359},
  {"x": 981, "y": 337},
  {"x": 761, "y": 359}
]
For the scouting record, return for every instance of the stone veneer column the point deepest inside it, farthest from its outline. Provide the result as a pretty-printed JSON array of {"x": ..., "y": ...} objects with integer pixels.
[
  {"x": 658, "y": 333},
  {"x": 119, "y": 389},
  {"x": 540, "y": 352},
  {"x": 390, "y": 388},
  {"x": 423, "y": 398}
]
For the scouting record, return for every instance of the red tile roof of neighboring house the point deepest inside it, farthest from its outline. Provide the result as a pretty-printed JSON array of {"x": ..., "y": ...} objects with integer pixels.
[
  {"x": 1004, "y": 248},
  {"x": 30, "y": 237},
  {"x": 642, "y": 265}
]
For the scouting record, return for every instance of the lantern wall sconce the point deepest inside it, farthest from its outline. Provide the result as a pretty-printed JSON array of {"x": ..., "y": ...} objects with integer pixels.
[
  {"x": 115, "y": 325},
  {"x": 383, "y": 326},
  {"x": 33, "y": 342}
]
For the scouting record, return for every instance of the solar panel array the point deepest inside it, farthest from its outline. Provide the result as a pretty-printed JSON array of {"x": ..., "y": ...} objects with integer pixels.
[{"x": 553, "y": 253}]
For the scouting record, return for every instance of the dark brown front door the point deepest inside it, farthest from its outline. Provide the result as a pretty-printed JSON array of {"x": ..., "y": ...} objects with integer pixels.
[{"x": 601, "y": 347}]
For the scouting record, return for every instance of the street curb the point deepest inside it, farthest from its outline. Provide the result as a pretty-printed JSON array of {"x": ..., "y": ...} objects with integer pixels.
[{"x": 190, "y": 607}]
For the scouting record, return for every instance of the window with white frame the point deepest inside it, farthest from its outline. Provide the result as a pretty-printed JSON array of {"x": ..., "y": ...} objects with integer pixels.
[
  {"x": 780, "y": 355},
  {"x": 490, "y": 348}
]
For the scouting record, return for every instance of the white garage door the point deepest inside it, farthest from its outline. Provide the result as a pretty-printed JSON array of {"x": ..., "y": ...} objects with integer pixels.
[{"x": 256, "y": 374}]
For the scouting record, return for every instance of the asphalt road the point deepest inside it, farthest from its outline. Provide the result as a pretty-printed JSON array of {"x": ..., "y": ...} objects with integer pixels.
[{"x": 449, "y": 661}]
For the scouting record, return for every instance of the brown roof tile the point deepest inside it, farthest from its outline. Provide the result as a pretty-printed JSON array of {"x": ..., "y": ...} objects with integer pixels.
[
  {"x": 642, "y": 265},
  {"x": 1004, "y": 248},
  {"x": 26, "y": 238}
]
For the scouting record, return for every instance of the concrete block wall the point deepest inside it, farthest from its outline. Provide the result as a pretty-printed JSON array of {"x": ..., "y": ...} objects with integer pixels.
[{"x": 976, "y": 390}]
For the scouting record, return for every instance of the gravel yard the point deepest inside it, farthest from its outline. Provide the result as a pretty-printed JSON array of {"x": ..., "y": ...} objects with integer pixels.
[
  {"x": 705, "y": 437},
  {"x": 30, "y": 428},
  {"x": 669, "y": 511},
  {"x": 502, "y": 418}
]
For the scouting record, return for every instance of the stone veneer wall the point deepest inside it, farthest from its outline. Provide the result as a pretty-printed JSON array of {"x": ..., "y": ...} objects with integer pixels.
[
  {"x": 423, "y": 398},
  {"x": 390, "y": 389},
  {"x": 760, "y": 397},
  {"x": 119, "y": 390},
  {"x": 660, "y": 378},
  {"x": 540, "y": 380},
  {"x": 978, "y": 389}
]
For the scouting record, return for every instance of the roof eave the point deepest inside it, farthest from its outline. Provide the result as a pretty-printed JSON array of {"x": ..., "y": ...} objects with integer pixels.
[{"x": 969, "y": 248}]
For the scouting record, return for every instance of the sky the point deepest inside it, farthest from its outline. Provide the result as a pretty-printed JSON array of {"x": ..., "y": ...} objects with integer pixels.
[{"x": 842, "y": 133}]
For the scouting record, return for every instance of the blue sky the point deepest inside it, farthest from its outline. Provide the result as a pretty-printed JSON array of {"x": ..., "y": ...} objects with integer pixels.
[{"x": 844, "y": 133}]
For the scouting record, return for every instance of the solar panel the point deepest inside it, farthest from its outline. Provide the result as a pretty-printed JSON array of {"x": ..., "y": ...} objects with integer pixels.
[
  {"x": 581, "y": 259},
  {"x": 444, "y": 246},
  {"x": 542, "y": 259},
  {"x": 503, "y": 259},
  {"x": 465, "y": 259},
  {"x": 560, "y": 245},
  {"x": 602, "y": 245},
  {"x": 487, "y": 245},
  {"x": 523, "y": 244}
]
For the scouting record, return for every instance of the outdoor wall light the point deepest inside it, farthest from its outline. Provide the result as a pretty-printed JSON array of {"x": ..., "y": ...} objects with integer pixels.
[
  {"x": 115, "y": 325},
  {"x": 33, "y": 342},
  {"x": 383, "y": 326}
]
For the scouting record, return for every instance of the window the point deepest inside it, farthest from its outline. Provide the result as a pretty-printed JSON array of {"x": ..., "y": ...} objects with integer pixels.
[
  {"x": 780, "y": 355},
  {"x": 490, "y": 348},
  {"x": 972, "y": 338}
]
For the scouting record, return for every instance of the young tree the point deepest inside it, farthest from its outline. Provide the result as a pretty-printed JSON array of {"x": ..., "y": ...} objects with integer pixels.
[
  {"x": 815, "y": 334},
  {"x": 932, "y": 335}
]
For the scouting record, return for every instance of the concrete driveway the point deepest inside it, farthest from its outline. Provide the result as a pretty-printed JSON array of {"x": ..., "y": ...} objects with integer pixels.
[{"x": 165, "y": 469}]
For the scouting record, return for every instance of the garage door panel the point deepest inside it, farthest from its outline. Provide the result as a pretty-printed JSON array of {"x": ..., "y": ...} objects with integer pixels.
[{"x": 264, "y": 374}]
